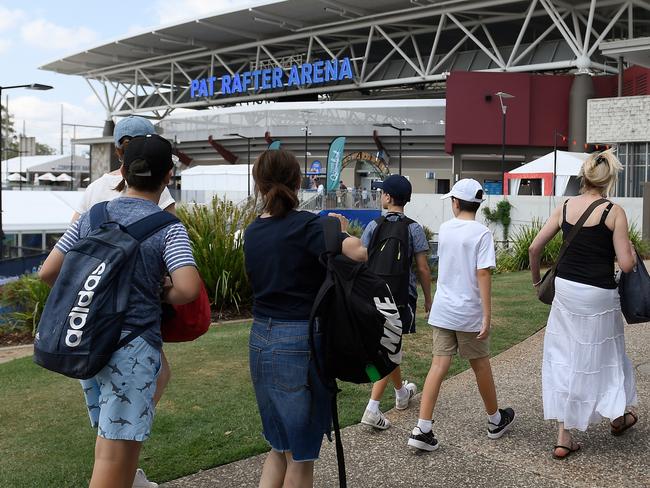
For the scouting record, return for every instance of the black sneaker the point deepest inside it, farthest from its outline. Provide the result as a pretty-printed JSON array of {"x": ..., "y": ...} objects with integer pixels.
[
  {"x": 422, "y": 441},
  {"x": 507, "y": 419}
]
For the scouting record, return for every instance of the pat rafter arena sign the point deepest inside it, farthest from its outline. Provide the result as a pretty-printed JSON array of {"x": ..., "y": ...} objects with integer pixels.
[{"x": 298, "y": 75}]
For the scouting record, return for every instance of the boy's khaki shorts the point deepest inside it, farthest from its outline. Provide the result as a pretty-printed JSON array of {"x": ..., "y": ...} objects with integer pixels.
[{"x": 447, "y": 342}]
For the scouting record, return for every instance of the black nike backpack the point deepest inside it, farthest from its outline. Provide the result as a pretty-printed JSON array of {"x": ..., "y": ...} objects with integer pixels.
[
  {"x": 388, "y": 255},
  {"x": 361, "y": 325},
  {"x": 82, "y": 321}
]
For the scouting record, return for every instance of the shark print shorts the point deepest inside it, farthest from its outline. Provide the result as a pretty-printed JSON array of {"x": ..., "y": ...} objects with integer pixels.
[{"x": 120, "y": 397}]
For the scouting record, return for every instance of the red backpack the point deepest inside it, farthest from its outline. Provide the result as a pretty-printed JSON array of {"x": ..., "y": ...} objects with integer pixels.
[{"x": 183, "y": 323}]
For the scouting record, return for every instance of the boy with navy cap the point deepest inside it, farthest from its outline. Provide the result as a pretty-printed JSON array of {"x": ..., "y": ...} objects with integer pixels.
[
  {"x": 461, "y": 312},
  {"x": 396, "y": 193}
]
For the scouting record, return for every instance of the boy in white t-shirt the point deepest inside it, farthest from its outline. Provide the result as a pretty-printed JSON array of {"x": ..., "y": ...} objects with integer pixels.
[{"x": 461, "y": 312}]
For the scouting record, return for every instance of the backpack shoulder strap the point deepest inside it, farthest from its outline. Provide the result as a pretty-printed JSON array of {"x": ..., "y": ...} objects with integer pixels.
[
  {"x": 332, "y": 231},
  {"x": 98, "y": 215},
  {"x": 146, "y": 227},
  {"x": 379, "y": 221}
]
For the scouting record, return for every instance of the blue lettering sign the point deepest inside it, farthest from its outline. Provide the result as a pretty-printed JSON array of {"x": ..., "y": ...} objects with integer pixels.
[{"x": 306, "y": 74}]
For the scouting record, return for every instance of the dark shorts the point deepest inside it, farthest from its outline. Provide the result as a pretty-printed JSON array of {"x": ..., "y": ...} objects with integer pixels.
[
  {"x": 407, "y": 315},
  {"x": 294, "y": 404}
]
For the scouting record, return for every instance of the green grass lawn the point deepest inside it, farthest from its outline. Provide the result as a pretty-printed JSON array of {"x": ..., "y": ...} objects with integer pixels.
[{"x": 208, "y": 414}]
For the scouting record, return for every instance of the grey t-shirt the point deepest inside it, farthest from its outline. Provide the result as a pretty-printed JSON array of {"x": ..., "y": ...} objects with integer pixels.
[
  {"x": 165, "y": 251},
  {"x": 417, "y": 240}
]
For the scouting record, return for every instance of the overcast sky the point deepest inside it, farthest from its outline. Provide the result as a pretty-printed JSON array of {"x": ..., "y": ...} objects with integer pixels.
[{"x": 35, "y": 32}]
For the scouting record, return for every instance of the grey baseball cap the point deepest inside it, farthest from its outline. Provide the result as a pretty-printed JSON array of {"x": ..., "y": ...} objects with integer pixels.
[{"x": 132, "y": 126}]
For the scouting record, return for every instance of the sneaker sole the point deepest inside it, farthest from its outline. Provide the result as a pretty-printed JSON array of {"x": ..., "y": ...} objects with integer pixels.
[
  {"x": 505, "y": 429},
  {"x": 375, "y": 426},
  {"x": 422, "y": 446}
]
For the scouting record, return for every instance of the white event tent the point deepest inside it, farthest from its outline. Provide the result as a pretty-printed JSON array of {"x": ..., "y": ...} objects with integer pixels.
[
  {"x": 568, "y": 165},
  {"x": 201, "y": 183}
]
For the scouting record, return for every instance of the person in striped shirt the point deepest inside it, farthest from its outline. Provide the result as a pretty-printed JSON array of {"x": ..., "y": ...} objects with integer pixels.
[{"x": 125, "y": 406}]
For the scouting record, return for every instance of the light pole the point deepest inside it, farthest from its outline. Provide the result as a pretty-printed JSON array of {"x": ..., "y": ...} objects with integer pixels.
[
  {"x": 72, "y": 146},
  {"x": 248, "y": 172},
  {"x": 400, "y": 130},
  {"x": 32, "y": 86},
  {"x": 307, "y": 132},
  {"x": 504, "y": 109},
  {"x": 555, "y": 134}
]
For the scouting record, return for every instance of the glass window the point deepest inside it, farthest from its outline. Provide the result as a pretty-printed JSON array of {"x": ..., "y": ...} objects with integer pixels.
[
  {"x": 32, "y": 244},
  {"x": 51, "y": 240}
]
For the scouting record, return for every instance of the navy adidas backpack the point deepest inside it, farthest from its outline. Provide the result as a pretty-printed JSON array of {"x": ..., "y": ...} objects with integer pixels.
[{"x": 81, "y": 324}]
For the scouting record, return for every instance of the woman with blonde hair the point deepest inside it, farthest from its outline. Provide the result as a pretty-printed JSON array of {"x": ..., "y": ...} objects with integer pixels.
[{"x": 586, "y": 375}]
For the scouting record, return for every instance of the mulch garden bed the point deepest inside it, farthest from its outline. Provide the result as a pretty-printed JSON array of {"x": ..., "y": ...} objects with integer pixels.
[{"x": 13, "y": 338}]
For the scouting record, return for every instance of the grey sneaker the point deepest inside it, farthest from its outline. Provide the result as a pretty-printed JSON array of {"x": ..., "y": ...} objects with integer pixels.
[
  {"x": 141, "y": 481},
  {"x": 375, "y": 419},
  {"x": 507, "y": 419},
  {"x": 403, "y": 403}
]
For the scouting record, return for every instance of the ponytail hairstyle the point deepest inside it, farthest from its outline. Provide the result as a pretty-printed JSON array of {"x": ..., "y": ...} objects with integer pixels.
[
  {"x": 277, "y": 179},
  {"x": 600, "y": 172},
  {"x": 119, "y": 152}
]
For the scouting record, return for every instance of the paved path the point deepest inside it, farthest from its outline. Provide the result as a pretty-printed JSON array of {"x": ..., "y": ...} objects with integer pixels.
[
  {"x": 15, "y": 352},
  {"x": 467, "y": 458}
]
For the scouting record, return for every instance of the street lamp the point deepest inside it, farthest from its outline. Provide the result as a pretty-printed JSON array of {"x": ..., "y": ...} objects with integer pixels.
[
  {"x": 400, "y": 130},
  {"x": 248, "y": 140},
  {"x": 504, "y": 109},
  {"x": 32, "y": 86},
  {"x": 555, "y": 134}
]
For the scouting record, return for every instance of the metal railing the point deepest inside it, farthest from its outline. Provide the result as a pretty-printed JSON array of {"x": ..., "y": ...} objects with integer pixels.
[{"x": 349, "y": 199}]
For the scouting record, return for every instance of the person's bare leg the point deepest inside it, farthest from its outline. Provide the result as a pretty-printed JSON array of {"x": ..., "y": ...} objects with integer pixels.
[
  {"x": 485, "y": 382},
  {"x": 299, "y": 474},
  {"x": 379, "y": 387},
  {"x": 115, "y": 463},
  {"x": 564, "y": 438},
  {"x": 163, "y": 378},
  {"x": 274, "y": 470},
  {"x": 435, "y": 376}
]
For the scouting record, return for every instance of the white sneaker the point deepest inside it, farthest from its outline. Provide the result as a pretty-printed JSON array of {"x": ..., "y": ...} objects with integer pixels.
[
  {"x": 375, "y": 419},
  {"x": 141, "y": 481},
  {"x": 403, "y": 403}
]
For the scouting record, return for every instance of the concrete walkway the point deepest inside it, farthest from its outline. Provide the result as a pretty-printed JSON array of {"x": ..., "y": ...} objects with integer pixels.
[
  {"x": 467, "y": 458},
  {"x": 15, "y": 352}
]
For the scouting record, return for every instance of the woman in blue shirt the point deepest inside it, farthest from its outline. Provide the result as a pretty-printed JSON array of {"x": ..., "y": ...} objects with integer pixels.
[{"x": 282, "y": 247}]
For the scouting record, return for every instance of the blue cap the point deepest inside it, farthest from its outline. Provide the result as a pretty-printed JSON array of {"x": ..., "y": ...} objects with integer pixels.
[
  {"x": 132, "y": 126},
  {"x": 397, "y": 186}
]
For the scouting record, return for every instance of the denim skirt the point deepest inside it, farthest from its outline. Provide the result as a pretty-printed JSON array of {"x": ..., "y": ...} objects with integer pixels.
[{"x": 294, "y": 404}]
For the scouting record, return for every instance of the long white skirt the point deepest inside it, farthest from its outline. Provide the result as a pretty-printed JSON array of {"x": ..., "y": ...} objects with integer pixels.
[{"x": 586, "y": 375}]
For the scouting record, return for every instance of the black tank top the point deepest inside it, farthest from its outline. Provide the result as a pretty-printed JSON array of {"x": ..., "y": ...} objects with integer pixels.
[{"x": 590, "y": 257}]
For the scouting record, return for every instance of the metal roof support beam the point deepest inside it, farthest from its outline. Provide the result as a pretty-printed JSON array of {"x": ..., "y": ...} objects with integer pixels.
[
  {"x": 417, "y": 54},
  {"x": 584, "y": 20},
  {"x": 399, "y": 50},
  {"x": 104, "y": 104},
  {"x": 529, "y": 14},
  {"x": 452, "y": 51},
  {"x": 536, "y": 42},
  {"x": 630, "y": 21},
  {"x": 271, "y": 57},
  {"x": 436, "y": 40},
  {"x": 576, "y": 27},
  {"x": 607, "y": 29},
  {"x": 330, "y": 53},
  {"x": 561, "y": 26},
  {"x": 386, "y": 58},
  {"x": 494, "y": 46},
  {"x": 221, "y": 28},
  {"x": 364, "y": 65},
  {"x": 223, "y": 63},
  {"x": 476, "y": 41},
  {"x": 590, "y": 23}
]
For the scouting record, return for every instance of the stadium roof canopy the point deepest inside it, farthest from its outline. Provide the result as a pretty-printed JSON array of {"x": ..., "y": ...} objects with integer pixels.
[{"x": 392, "y": 45}]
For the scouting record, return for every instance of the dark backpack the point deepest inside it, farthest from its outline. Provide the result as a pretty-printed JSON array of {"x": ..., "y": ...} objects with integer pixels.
[
  {"x": 388, "y": 255},
  {"x": 81, "y": 324},
  {"x": 361, "y": 325},
  {"x": 634, "y": 289}
]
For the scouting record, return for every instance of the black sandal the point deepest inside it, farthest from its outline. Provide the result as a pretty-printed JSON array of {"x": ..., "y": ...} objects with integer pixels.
[
  {"x": 620, "y": 430},
  {"x": 569, "y": 450}
]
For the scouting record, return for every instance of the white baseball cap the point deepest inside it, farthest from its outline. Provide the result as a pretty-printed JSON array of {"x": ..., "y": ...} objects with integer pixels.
[{"x": 468, "y": 190}]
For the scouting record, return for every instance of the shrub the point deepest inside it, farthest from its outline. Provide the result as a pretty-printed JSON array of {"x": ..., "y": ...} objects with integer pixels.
[
  {"x": 216, "y": 231},
  {"x": 355, "y": 229},
  {"x": 26, "y": 297},
  {"x": 515, "y": 258},
  {"x": 641, "y": 245},
  {"x": 500, "y": 215},
  {"x": 428, "y": 233}
]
